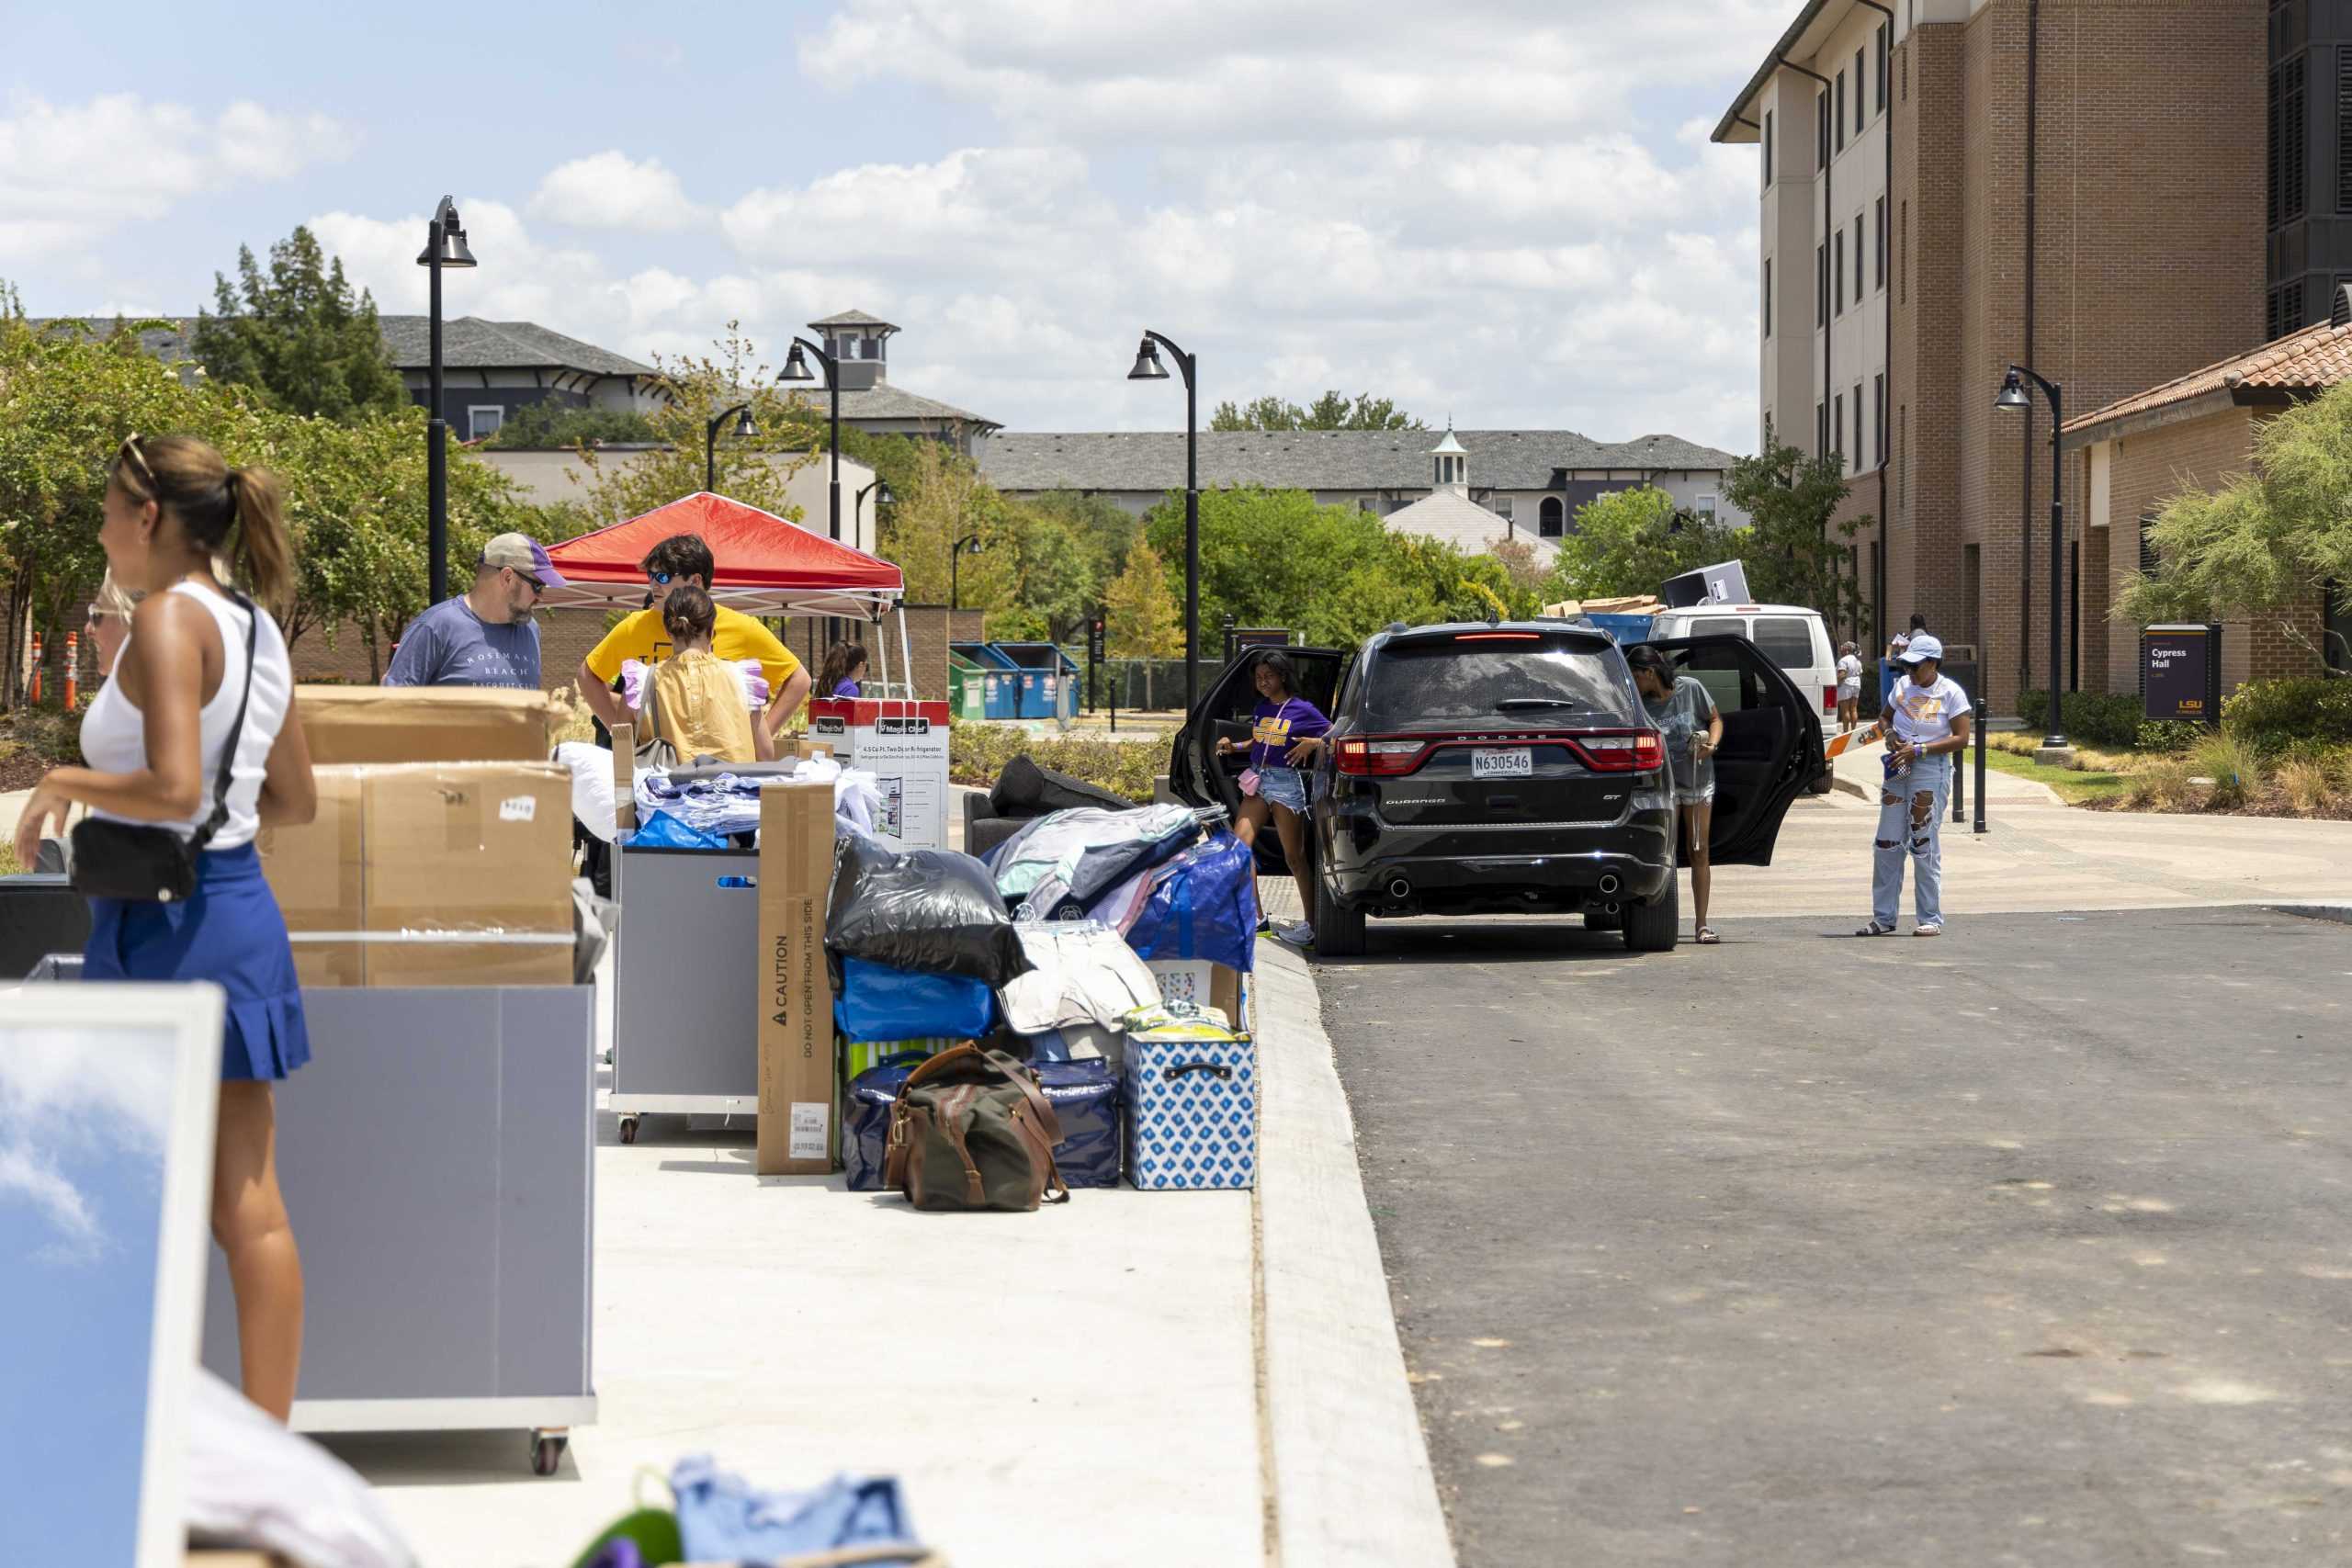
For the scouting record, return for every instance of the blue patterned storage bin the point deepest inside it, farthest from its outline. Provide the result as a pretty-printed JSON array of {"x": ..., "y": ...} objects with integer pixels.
[{"x": 1191, "y": 1110}]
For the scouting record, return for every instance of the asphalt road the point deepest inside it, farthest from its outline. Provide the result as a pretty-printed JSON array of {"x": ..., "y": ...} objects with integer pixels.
[{"x": 2030, "y": 1245}]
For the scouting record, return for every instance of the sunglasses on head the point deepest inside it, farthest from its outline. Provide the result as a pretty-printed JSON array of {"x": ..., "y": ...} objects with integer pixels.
[{"x": 131, "y": 450}]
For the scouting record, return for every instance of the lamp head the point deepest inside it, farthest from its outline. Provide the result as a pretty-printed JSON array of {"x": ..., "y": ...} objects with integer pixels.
[
  {"x": 1147, "y": 366},
  {"x": 745, "y": 428},
  {"x": 882, "y": 496},
  {"x": 795, "y": 367},
  {"x": 453, "y": 242},
  {"x": 2012, "y": 391}
]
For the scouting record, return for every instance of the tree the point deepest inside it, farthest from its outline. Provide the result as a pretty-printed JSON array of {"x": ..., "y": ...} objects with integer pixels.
[
  {"x": 298, "y": 335},
  {"x": 1794, "y": 552},
  {"x": 1332, "y": 410},
  {"x": 1141, "y": 616},
  {"x": 690, "y": 391},
  {"x": 553, "y": 426},
  {"x": 943, "y": 499},
  {"x": 1630, "y": 542},
  {"x": 2266, "y": 544}
]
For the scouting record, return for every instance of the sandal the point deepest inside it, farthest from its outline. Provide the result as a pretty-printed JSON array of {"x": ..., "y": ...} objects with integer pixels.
[
  {"x": 1874, "y": 929},
  {"x": 1707, "y": 937}
]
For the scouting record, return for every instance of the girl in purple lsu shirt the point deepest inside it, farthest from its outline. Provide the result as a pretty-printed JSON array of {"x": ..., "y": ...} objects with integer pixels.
[{"x": 1286, "y": 738}]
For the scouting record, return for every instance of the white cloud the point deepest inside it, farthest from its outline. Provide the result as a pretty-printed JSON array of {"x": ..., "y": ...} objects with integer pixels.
[
  {"x": 71, "y": 173},
  {"x": 70, "y": 1096},
  {"x": 611, "y": 190}
]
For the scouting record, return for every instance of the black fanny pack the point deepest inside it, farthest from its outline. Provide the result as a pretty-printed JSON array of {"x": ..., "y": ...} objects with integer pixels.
[{"x": 154, "y": 865}]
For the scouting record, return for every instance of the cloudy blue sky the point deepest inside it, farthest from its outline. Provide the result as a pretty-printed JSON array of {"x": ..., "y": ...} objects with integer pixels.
[{"x": 1505, "y": 210}]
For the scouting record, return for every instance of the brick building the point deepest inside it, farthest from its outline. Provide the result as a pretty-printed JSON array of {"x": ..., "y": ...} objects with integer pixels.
[
  {"x": 2128, "y": 137},
  {"x": 2196, "y": 432}
]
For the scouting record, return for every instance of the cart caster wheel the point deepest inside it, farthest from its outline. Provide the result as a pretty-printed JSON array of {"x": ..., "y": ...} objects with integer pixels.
[
  {"x": 629, "y": 1129},
  {"x": 546, "y": 1454}
]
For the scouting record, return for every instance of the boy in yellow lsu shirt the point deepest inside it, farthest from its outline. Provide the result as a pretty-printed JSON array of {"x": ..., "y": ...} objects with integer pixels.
[{"x": 678, "y": 561}]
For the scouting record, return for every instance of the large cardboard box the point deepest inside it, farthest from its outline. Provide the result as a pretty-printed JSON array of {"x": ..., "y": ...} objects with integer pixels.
[
  {"x": 400, "y": 861},
  {"x": 903, "y": 744},
  {"x": 796, "y": 1110},
  {"x": 424, "y": 724}
]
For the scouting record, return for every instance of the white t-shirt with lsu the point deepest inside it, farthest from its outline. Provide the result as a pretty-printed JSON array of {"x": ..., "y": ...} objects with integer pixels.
[{"x": 1924, "y": 715}]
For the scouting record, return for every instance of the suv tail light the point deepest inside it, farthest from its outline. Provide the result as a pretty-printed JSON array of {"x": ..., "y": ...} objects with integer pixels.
[
  {"x": 1379, "y": 758},
  {"x": 1642, "y": 751}
]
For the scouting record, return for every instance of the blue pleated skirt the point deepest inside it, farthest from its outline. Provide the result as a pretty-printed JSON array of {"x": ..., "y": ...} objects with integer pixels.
[{"x": 231, "y": 934}]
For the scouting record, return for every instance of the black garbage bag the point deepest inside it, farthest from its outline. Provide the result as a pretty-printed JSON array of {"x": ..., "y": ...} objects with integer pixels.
[{"x": 933, "y": 911}]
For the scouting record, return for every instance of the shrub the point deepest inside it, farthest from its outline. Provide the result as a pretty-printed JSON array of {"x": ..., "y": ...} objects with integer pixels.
[
  {"x": 2271, "y": 715},
  {"x": 2162, "y": 786},
  {"x": 2170, "y": 737},
  {"x": 2099, "y": 719},
  {"x": 2234, "y": 766},
  {"x": 2310, "y": 782},
  {"x": 977, "y": 753},
  {"x": 50, "y": 734}
]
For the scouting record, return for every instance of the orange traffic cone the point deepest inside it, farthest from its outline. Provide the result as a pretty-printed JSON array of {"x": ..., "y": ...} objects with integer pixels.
[{"x": 73, "y": 671}]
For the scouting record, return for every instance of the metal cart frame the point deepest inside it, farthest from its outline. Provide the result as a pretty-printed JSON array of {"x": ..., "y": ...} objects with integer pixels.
[{"x": 686, "y": 1011}]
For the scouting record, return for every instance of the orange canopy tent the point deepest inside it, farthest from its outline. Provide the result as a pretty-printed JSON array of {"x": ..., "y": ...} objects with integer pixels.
[{"x": 765, "y": 565}]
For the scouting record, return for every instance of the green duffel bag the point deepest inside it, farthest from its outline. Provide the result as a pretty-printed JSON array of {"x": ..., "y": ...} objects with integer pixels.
[{"x": 971, "y": 1131}]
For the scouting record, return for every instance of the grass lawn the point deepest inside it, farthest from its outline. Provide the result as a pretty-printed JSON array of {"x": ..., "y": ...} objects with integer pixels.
[
  {"x": 8, "y": 866},
  {"x": 2074, "y": 786}
]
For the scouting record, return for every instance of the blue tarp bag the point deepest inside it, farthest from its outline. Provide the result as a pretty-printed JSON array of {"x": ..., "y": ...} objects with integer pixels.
[
  {"x": 865, "y": 1117},
  {"x": 721, "y": 1519},
  {"x": 880, "y": 1003},
  {"x": 1204, "y": 904},
  {"x": 1085, "y": 1097},
  {"x": 663, "y": 831}
]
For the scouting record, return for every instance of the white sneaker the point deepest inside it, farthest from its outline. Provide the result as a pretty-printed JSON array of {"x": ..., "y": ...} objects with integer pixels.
[{"x": 1298, "y": 933}]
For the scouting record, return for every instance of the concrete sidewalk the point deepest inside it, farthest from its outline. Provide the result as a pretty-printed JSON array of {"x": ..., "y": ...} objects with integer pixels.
[
  {"x": 1128, "y": 1379},
  {"x": 1862, "y": 773}
]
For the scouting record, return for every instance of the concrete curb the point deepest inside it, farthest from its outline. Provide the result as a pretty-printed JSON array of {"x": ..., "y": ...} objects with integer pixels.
[
  {"x": 2339, "y": 913},
  {"x": 1349, "y": 1473}
]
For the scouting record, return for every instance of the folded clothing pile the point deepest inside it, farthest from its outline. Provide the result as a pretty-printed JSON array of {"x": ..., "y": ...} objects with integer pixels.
[
  {"x": 1201, "y": 905},
  {"x": 718, "y": 1518},
  {"x": 1056, "y": 867}
]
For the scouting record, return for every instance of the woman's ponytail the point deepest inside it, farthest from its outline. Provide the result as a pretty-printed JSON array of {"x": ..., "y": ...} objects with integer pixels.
[{"x": 264, "y": 548}]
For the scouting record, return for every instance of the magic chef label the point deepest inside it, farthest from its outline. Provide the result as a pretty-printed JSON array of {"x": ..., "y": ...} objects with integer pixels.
[
  {"x": 826, "y": 724},
  {"x": 902, "y": 726}
]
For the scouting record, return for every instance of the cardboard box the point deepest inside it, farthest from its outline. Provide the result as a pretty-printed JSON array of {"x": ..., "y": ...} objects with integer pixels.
[
  {"x": 437, "y": 847},
  {"x": 424, "y": 724},
  {"x": 796, "y": 1103},
  {"x": 1198, "y": 980}
]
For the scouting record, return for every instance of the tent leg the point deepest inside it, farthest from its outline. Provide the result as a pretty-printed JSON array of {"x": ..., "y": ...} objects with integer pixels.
[{"x": 906, "y": 654}]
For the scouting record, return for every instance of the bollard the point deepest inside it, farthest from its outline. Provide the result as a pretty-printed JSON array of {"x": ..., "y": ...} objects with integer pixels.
[
  {"x": 32, "y": 692},
  {"x": 73, "y": 671}
]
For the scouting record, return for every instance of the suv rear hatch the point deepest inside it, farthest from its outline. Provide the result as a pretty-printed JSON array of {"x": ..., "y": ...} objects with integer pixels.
[{"x": 1498, "y": 730}]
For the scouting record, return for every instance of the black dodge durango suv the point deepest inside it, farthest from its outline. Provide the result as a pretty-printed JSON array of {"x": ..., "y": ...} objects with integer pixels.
[{"x": 1510, "y": 768}]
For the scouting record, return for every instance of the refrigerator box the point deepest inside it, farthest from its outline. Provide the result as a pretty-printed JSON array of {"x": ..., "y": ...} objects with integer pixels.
[
  {"x": 903, "y": 743},
  {"x": 796, "y": 993}
]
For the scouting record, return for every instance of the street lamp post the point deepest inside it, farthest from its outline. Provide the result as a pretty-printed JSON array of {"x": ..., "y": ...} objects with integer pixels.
[
  {"x": 796, "y": 368},
  {"x": 445, "y": 245},
  {"x": 1147, "y": 368},
  {"x": 858, "y": 507},
  {"x": 2014, "y": 396},
  {"x": 968, "y": 543},
  {"x": 744, "y": 430}
]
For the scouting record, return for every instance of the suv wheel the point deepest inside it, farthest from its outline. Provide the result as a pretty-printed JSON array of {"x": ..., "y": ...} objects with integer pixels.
[
  {"x": 1338, "y": 927},
  {"x": 1654, "y": 927}
]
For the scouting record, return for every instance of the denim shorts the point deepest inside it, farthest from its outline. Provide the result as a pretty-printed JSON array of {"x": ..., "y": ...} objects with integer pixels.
[{"x": 1286, "y": 787}]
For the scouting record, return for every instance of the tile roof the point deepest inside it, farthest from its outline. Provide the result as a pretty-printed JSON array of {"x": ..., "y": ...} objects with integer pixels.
[
  {"x": 1454, "y": 519},
  {"x": 468, "y": 343},
  {"x": 1321, "y": 459},
  {"x": 882, "y": 401},
  {"x": 2318, "y": 357},
  {"x": 853, "y": 318}
]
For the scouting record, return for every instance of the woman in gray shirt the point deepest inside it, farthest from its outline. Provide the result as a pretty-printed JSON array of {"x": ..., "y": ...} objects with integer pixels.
[{"x": 1686, "y": 714}]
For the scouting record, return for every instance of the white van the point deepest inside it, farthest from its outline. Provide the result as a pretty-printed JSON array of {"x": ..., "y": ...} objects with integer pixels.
[{"x": 1792, "y": 636}]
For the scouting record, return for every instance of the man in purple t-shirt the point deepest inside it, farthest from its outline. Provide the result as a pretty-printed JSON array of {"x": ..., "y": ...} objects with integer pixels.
[{"x": 485, "y": 637}]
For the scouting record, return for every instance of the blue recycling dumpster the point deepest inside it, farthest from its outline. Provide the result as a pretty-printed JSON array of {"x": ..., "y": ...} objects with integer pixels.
[
  {"x": 1000, "y": 677},
  {"x": 1048, "y": 679}
]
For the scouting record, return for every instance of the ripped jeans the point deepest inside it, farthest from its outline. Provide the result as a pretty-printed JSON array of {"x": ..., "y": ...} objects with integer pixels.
[{"x": 1910, "y": 823}]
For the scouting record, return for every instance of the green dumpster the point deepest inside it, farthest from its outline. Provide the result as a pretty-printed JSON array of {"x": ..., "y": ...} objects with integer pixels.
[{"x": 966, "y": 690}]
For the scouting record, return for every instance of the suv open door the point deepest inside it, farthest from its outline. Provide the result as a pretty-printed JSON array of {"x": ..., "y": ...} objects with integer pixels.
[
  {"x": 1198, "y": 776},
  {"x": 1771, "y": 746}
]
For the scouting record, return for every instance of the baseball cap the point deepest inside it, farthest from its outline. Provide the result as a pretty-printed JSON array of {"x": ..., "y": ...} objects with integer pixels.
[
  {"x": 1922, "y": 648},
  {"x": 523, "y": 555}
]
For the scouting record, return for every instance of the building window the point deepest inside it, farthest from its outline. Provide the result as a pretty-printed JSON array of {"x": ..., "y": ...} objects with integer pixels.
[
  {"x": 1861, "y": 98},
  {"x": 1841, "y": 111},
  {"x": 2288, "y": 170},
  {"x": 2344, "y": 129},
  {"x": 1821, "y": 430},
  {"x": 1767, "y": 149},
  {"x": 1902, "y": 458},
  {"x": 1837, "y": 426},
  {"x": 483, "y": 419},
  {"x": 1551, "y": 518},
  {"x": 1500, "y": 506},
  {"x": 1821, "y": 116},
  {"x": 1903, "y": 258},
  {"x": 1881, "y": 242},
  {"x": 2335, "y": 627},
  {"x": 1768, "y": 295},
  {"x": 1838, "y": 286},
  {"x": 1858, "y": 258},
  {"x": 1368, "y": 504},
  {"x": 1859, "y": 448},
  {"x": 2286, "y": 308},
  {"x": 1878, "y": 415},
  {"x": 1821, "y": 267},
  {"x": 1885, "y": 46},
  {"x": 1706, "y": 507}
]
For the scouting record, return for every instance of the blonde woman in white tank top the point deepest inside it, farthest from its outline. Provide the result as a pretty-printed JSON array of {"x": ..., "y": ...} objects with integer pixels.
[{"x": 155, "y": 739}]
